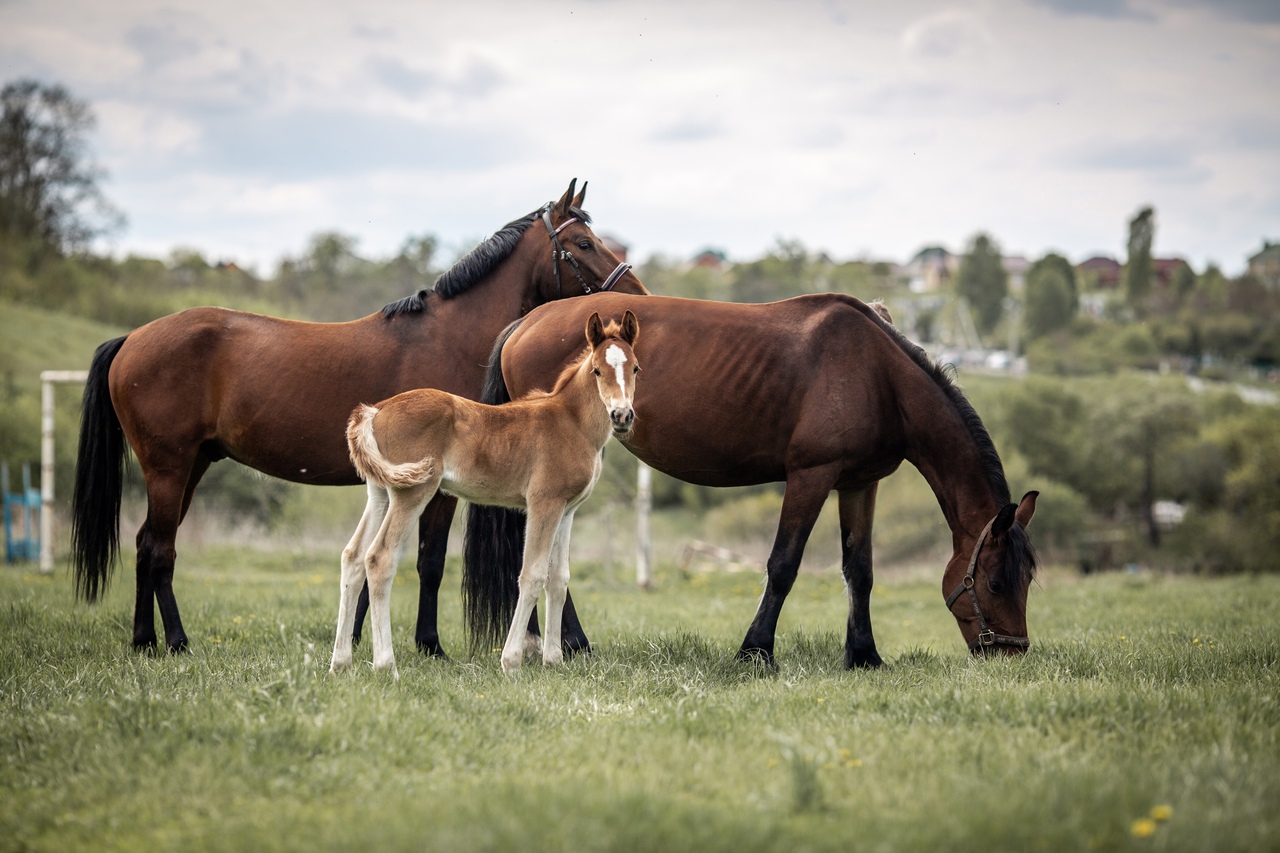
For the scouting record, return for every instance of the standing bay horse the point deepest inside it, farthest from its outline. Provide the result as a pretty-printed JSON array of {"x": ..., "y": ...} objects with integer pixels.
[
  {"x": 189, "y": 389},
  {"x": 818, "y": 392},
  {"x": 541, "y": 454}
]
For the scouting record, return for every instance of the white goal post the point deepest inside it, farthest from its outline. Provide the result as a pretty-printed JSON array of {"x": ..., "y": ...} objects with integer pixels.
[{"x": 47, "y": 380}]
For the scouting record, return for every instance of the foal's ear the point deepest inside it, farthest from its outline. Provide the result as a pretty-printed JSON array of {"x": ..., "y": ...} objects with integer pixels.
[
  {"x": 581, "y": 196},
  {"x": 1026, "y": 509},
  {"x": 567, "y": 199},
  {"x": 595, "y": 330},
  {"x": 630, "y": 328}
]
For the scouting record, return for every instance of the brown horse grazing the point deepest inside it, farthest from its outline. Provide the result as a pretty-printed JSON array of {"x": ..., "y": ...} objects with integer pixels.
[
  {"x": 819, "y": 392},
  {"x": 189, "y": 389},
  {"x": 540, "y": 453}
]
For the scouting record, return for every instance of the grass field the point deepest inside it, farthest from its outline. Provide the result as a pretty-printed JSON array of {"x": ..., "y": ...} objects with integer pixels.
[{"x": 1143, "y": 692}]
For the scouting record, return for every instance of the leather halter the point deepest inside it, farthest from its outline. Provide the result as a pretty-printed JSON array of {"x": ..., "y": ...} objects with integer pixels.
[
  {"x": 559, "y": 253},
  {"x": 986, "y": 637}
]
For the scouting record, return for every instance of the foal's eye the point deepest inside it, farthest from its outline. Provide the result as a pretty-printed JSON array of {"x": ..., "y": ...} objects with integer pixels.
[
  {"x": 635, "y": 369},
  {"x": 597, "y": 371}
]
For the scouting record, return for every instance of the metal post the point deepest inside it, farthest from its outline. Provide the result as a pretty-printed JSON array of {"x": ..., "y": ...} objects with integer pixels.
[
  {"x": 47, "y": 379},
  {"x": 46, "y": 474},
  {"x": 644, "y": 536}
]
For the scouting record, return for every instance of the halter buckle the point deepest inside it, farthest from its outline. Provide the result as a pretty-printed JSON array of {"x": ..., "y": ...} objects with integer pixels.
[{"x": 987, "y": 638}]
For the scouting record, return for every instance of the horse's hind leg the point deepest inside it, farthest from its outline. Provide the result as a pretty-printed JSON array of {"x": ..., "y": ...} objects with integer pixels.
[
  {"x": 806, "y": 492},
  {"x": 352, "y": 582},
  {"x": 857, "y": 509},
  {"x": 405, "y": 506}
]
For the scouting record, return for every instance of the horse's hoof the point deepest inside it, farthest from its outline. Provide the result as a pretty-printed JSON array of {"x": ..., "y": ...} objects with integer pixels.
[
  {"x": 862, "y": 660},
  {"x": 758, "y": 657},
  {"x": 510, "y": 666},
  {"x": 433, "y": 650}
]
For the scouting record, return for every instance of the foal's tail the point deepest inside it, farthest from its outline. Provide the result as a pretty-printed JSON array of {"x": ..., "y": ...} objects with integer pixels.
[
  {"x": 95, "y": 504},
  {"x": 371, "y": 465},
  {"x": 493, "y": 546}
]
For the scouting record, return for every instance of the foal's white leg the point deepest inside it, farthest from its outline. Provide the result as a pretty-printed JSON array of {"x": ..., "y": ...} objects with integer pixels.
[
  {"x": 380, "y": 566},
  {"x": 557, "y": 588},
  {"x": 375, "y": 509},
  {"x": 540, "y": 533}
]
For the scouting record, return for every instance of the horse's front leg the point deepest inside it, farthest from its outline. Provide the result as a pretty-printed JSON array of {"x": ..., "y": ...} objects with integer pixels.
[
  {"x": 433, "y": 542},
  {"x": 806, "y": 491},
  {"x": 540, "y": 534},
  {"x": 857, "y": 509},
  {"x": 557, "y": 590}
]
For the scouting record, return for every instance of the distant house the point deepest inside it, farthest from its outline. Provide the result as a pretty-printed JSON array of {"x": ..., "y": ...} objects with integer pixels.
[
  {"x": 1016, "y": 267},
  {"x": 713, "y": 259},
  {"x": 931, "y": 269},
  {"x": 615, "y": 246},
  {"x": 1265, "y": 266},
  {"x": 1165, "y": 269},
  {"x": 1100, "y": 272}
]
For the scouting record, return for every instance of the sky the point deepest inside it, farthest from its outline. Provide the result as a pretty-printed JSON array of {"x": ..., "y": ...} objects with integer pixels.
[{"x": 864, "y": 130}]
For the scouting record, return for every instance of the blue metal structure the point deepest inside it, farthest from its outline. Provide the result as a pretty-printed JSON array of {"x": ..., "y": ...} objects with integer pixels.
[{"x": 21, "y": 517}]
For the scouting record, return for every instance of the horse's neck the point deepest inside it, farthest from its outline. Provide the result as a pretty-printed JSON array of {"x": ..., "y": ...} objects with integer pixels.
[
  {"x": 941, "y": 447},
  {"x": 580, "y": 399},
  {"x": 486, "y": 307}
]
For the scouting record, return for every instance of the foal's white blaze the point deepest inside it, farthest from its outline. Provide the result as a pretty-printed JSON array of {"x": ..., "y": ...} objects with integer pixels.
[{"x": 616, "y": 358}]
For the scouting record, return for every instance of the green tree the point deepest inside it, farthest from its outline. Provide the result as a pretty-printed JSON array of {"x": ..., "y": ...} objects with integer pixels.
[
  {"x": 983, "y": 282},
  {"x": 1138, "y": 271},
  {"x": 1051, "y": 295},
  {"x": 778, "y": 275},
  {"x": 48, "y": 187}
]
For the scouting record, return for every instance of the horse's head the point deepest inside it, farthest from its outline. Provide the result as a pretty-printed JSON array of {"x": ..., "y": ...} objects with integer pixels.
[
  {"x": 615, "y": 367},
  {"x": 578, "y": 262},
  {"x": 986, "y": 589}
]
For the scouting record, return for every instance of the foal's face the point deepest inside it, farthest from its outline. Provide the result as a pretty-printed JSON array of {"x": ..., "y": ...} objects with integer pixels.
[{"x": 614, "y": 363}]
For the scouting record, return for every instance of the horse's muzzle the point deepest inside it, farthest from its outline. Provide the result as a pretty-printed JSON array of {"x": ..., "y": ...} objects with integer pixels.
[{"x": 622, "y": 420}]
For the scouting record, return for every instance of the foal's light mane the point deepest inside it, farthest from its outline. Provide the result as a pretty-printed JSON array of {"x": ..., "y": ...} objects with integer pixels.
[{"x": 612, "y": 331}]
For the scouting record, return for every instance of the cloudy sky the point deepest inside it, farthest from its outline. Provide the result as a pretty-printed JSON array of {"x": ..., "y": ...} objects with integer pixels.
[{"x": 862, "y": 129}]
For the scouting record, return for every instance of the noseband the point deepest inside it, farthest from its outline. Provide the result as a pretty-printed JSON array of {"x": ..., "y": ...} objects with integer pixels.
[
  {"x": 559, "y": 253},
  {"x": 986, "y": 637}
]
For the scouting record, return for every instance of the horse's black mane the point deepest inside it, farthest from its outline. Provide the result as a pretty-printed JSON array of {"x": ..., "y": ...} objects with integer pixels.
[
  {"x": 474, "y": 265},
  {"x": 1020, "y": 556}
]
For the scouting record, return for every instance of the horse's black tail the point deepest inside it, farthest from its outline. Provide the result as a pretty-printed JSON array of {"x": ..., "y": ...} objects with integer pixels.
[
  {"x": 95, "y": 506},
  {"x": 493, "y": 546}
]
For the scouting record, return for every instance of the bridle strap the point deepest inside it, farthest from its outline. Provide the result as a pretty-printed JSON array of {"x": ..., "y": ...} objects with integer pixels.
[
  {"x": 559, "y": 253},
  {"x": 986, "y": 637}
]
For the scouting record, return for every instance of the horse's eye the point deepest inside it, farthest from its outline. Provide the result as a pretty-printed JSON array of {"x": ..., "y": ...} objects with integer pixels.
[
  {"x": 597, "y": 371},
  {"x": 584, "y": 245},
  {"x": 635, "y": 369},
  {"x": 996, "y": 587}
]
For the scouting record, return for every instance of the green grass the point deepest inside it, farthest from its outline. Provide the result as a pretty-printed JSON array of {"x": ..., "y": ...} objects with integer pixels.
[{"x": 1141, "y": 691}]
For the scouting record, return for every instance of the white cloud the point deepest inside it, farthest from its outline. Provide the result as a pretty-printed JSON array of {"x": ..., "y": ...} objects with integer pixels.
[{"x": 856, "y": 127}]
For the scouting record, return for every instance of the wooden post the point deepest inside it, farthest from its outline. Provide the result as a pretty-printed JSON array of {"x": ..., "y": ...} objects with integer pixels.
[
  {"x": 47, "y": 379},
  {"x": 644, "y": 534}
]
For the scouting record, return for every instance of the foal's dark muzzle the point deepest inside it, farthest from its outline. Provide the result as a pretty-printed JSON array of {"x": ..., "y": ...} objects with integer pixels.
[{"x": 622, "y": 420}]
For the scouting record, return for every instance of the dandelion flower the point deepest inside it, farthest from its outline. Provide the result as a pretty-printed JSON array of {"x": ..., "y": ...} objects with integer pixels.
[
  {"x": 1143, "y": 827},
  {"x": 1161, "y": 812}
]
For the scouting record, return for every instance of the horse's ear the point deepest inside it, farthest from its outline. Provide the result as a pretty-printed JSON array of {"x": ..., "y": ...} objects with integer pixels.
[
  {"x": 1004, "y": 520},
  {"x": 581, "y": 196},
  {"x": 630, "y": 328},
  {"x": 595, "y": 330},
  {"x": 567, "y": 199},
  {"x": 1026, "y": 509}
]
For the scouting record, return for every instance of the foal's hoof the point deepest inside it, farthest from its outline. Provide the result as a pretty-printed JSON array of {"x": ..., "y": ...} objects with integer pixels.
[{"x": 511, "y": 665}]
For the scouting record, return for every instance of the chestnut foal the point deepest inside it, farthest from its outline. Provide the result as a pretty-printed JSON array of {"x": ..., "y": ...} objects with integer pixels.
[{"x": 540, "y": 454}]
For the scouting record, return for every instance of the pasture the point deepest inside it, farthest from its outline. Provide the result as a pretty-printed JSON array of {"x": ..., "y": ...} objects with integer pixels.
[{"x": 1142, "y": 692}]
